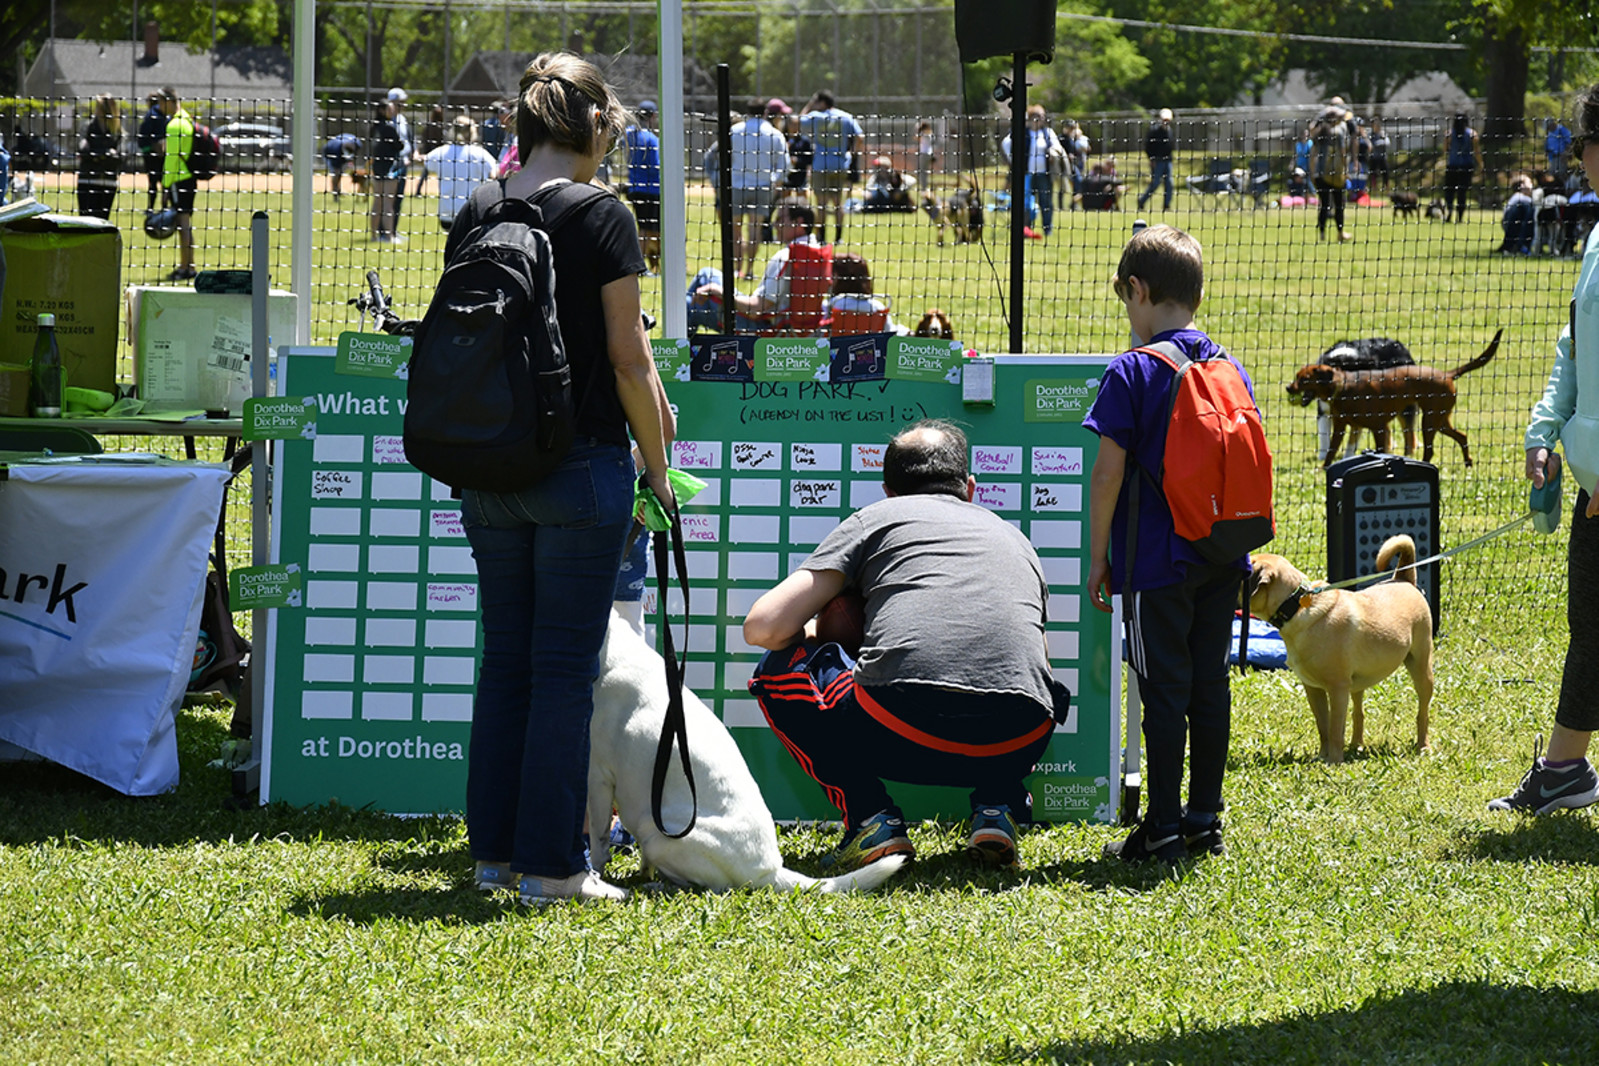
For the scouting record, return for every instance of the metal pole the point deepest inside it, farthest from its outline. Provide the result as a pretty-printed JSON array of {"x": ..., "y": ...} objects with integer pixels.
[
  {"x": 724, "y": 179},
  {"x": 674, "y": 210},
  {"x": 247, "y": 778},
  {"x": 1019, "y": 152},
  {"x": 302, "y": 139},
  {"x": 447, "y": 43}
]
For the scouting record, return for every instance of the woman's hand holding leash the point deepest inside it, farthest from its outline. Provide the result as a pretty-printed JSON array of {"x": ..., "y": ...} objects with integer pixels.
[{"x": 1542, "y": 465}]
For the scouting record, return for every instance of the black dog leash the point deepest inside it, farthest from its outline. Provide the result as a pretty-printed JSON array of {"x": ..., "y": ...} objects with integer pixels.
[{"x": 674, "y": 728}]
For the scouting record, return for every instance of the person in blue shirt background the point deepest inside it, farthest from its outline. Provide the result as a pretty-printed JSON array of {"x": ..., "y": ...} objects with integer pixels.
[
  {"x": 644, "y": 181},
  {"x": 1556, "y": 146},
  {"x": 840, "y": 145},
  {"x": 340, "y": 152}
]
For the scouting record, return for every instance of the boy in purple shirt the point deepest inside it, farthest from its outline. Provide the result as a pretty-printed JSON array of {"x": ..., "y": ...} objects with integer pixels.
[{"x": 1178, "y": 606}]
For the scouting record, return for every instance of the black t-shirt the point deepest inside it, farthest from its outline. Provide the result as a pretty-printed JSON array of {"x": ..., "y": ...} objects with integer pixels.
[{"x": 593, "y": 248}]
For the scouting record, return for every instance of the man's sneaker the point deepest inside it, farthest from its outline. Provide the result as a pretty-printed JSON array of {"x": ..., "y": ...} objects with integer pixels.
[
  {"x": 992, "y": 841},
  {"x": 584, "y": 886},
  {"x": 493, "y": 876},
  {"x": 1549, "y": 788},
  {"x": 1031, "y": 234},
  {"x": 1202, "y": 838},
  {"x": 881, "y": 835},
  {"x": 1147, "y": 845}
]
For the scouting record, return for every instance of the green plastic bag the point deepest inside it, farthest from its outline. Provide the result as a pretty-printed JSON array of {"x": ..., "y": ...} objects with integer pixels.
[{"x": 685, "y": 487}]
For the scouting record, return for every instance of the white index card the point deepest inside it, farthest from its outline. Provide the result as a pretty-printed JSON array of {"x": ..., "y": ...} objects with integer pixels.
[
  {"x": 336, "y": 669},
  {"x": 391, "y": 632},
  {"x": 388, "y": 669},
  {"x": 386, "y": 706},
  {"x": 1057, "y": 462},
  {"x": 394, "y": 522},
  {"x": 336, "y": 484},
  {"x": 391, "y": 595},
  {"x": 335, "y": 521},
  {"x": 755, "y": 492},
  {"x": 332, "y": 705},
  {"x": 333, "y": 632},
  {"x": 338, "y": 448},
  {"x": 819, "y": 456},
  {"x": 397, "y": 485}
]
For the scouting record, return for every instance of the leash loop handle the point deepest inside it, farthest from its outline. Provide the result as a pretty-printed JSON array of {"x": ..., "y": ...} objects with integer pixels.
[{"x": 674, "y": 729}]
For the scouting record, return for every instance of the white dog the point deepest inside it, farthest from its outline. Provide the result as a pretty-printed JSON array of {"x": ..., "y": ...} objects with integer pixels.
[{"x": 734, "y": 843}]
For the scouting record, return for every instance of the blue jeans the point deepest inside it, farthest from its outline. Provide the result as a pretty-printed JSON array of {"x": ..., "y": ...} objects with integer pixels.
[
  {"x": 707, "y": 317},
  {"x": 1041, "y": 196},
  {"x": 1159, "y": 174},
  {"x": 547, "y": 559}
]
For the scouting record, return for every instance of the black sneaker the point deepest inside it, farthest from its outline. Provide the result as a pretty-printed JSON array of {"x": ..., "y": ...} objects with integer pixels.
[
  {"x": 1202, "y": 838},
  {"x": 1547, "y": 788},
  {"x": 1147, "y": 845}
]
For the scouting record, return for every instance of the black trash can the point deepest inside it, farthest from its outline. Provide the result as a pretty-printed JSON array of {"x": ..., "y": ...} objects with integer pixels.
[{"x": 1370, "y": 498}]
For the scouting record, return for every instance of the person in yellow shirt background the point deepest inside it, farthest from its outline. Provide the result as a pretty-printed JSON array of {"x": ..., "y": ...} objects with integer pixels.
[{"x": 178, "y": 180}]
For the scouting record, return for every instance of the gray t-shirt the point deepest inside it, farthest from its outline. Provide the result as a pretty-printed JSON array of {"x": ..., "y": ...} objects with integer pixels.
[{"x": 954, "y": 596}]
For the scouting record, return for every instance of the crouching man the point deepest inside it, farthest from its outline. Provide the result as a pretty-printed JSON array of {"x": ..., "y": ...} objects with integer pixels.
[{"x": 952, "y": 684}]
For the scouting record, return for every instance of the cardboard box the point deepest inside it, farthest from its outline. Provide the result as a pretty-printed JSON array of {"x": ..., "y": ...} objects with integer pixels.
[
  {"x": 191, "y": 349},
  {"x": 71, "y": 267}
]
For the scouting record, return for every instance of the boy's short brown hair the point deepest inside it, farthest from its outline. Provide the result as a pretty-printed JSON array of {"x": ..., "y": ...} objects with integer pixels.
[{"x": 1169, "y": 261}]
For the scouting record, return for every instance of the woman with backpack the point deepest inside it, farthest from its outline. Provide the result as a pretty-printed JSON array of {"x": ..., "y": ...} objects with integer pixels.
[
  {"x": 1329, "y": 166},
  {"x": 1463, "y": 160},
  {"x": 100, "y": 158},
  {"x": 548, "y": 556}
]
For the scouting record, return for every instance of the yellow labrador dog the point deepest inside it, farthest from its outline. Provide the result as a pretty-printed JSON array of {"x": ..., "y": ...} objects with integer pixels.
[
  {"x": 734, "y": 843},
  {"x": 1341, "y": 643}
]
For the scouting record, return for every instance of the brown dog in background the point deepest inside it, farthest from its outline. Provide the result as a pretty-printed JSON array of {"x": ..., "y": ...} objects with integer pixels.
[
  {"x": 1341, "y": 643},
  {"x": 935, "y": 324},
  {"x": 1373, "y": 398},
  {"x": 961, "y": 209}
]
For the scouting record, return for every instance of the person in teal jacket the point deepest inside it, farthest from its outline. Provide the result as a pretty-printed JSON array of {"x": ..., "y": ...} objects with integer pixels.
[{"x": 1568, "y": 414}]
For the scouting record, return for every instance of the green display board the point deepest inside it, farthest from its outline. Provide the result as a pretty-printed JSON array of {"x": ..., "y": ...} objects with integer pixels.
[
  {"x": 372, "y": 678},
  {"x": 369, "y": 694}
]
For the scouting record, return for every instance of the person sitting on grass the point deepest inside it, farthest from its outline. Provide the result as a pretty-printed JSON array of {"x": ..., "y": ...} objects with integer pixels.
[{"x": 969, "y": 702}]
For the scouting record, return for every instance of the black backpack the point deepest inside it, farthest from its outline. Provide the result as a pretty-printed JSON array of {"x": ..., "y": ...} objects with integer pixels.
[
  {"x": 489, "y": 392},
  {"x": 205, "y": 153}
]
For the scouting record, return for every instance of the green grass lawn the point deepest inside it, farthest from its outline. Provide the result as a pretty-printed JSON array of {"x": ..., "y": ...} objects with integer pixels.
[{"x": 1369, "y": 912}]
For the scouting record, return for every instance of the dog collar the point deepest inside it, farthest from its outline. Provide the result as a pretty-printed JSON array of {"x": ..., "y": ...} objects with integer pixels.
[{"x": 1290, "y": 607}]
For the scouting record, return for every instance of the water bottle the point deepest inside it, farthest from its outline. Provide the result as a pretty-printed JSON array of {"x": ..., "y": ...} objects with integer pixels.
[
  {"x": 1138, "y": 226},
  {"x": 45, "y": 401}
]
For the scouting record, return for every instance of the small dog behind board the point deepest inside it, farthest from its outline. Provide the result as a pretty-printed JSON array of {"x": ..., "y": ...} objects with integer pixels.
[
  {"x": 936, "y": 324},
  {"x": 1341, "y": 643},
  {"x": 1406, "y": 204},
  {"x": 734, "y": 842}
]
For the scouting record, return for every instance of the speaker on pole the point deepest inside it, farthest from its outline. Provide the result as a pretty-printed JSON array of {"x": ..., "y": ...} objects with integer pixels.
[{"x": 986, "y": 28}]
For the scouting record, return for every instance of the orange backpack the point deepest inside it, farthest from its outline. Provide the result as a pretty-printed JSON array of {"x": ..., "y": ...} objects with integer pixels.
[{"x": 1216, "y": 471}]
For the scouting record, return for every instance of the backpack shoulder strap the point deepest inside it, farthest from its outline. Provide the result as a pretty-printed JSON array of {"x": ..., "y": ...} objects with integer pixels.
[{"x": 565, "y": 202}]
